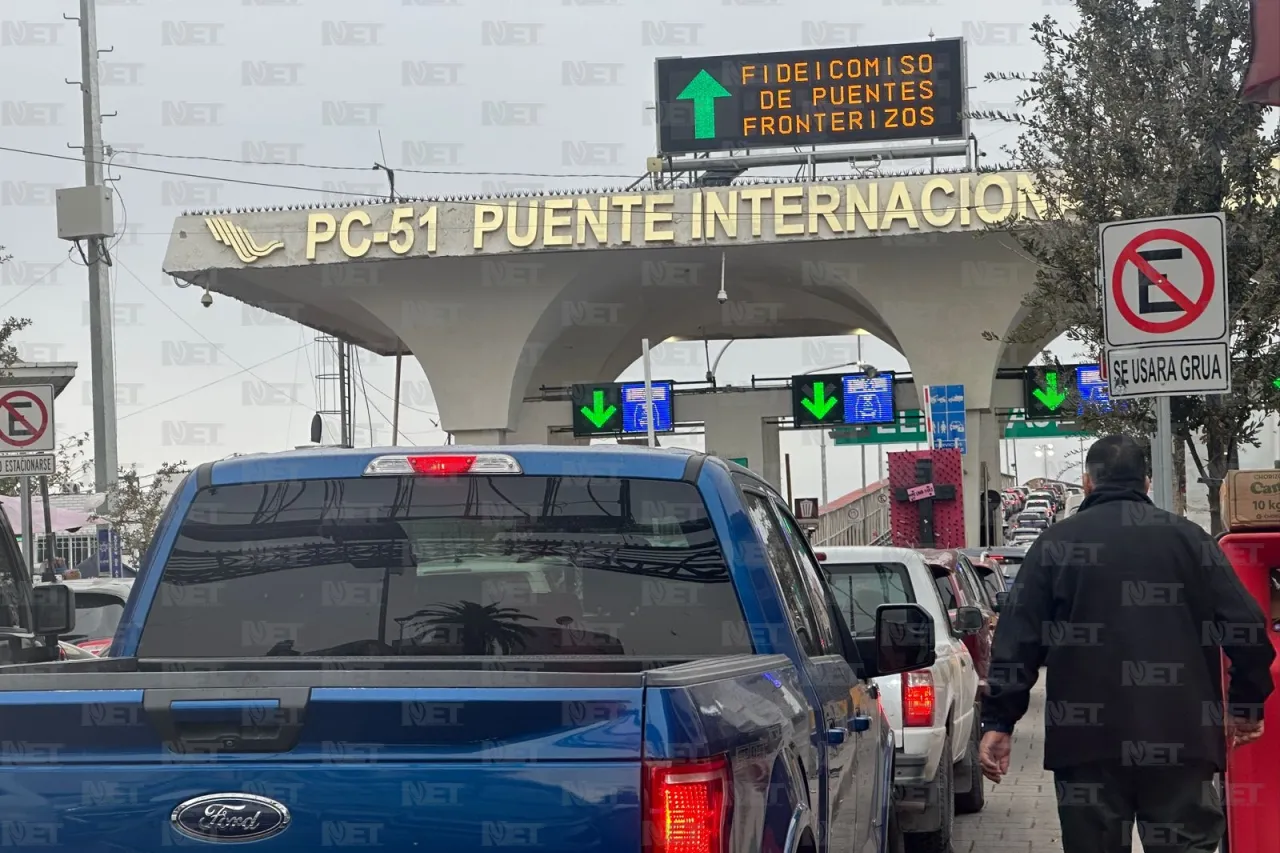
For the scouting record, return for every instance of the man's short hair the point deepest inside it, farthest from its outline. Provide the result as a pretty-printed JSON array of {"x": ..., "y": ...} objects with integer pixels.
[{"x": 1116, "y": 459}]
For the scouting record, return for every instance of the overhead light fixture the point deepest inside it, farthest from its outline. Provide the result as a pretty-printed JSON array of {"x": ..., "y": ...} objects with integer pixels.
[{"x": 859, "y": 332}]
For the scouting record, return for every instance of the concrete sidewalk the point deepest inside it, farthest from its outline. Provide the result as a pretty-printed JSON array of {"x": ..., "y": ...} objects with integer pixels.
[{"x": 1022, "y": 811}]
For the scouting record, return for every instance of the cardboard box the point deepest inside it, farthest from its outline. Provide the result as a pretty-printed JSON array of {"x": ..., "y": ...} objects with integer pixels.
[{"x": 1251, "y": 500}]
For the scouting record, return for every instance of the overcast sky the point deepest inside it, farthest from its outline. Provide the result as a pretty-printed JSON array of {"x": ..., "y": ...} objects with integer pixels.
[{"x": 177, "y": 61}]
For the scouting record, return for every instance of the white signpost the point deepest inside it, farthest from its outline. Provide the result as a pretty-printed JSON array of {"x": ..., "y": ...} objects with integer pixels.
[
  {"x": 27, "y": 440},
  {"x": 1165, "y": 318}
]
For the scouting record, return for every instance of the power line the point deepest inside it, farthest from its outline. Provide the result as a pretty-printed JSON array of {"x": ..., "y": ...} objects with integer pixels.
[
  {"x": 402, "y": 405},
  {"x": 325, "y": 167},
  {"x": 205, "y": 338},
  {"x": 46, "y": 275},
  {"x": 1002, "y": 207},
  {"x": 274, "y": 185}
]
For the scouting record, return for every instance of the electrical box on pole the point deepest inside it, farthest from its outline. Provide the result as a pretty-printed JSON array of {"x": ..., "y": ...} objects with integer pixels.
[{"x": 85, "y": 213}]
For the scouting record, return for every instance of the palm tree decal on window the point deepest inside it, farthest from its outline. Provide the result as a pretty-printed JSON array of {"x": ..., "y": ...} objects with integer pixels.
[{"x": 479, "y": 628}]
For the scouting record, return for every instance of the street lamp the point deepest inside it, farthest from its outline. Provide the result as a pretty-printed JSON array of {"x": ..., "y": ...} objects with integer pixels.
[{"x": 1045, "y": 452}]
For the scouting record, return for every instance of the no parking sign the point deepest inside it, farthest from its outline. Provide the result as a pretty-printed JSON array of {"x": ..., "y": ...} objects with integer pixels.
[{"x": 1164, "y": 287}]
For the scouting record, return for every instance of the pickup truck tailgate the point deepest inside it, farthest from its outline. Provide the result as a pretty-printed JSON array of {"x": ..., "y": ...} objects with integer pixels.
[{"x": 394, "y": 767}]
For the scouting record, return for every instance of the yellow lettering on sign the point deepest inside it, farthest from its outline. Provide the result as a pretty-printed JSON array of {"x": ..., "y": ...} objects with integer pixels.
[
  {"x": 488, "y": 220},
  {"x": 989, "y": 214},
  {"x": 361, "y": 248},
  {"x": 899, "y": 207},
  {"x": 811, "y": 210},
  {"x": 1029, "y": 194},
  {"x": 718, "y": 214},
  {"x": 321, "y": 228},
  {"x": 654, "y": 217},
  {"x": 556, "y": 218},
  {"x": 826, "y": 208},
  {"x": 401, "y": 231},
  {"x": 596, "y": 218},
  {"x": 788, "y": 201},
  {"x": 928, "y": 211},
  {"x": 868, "y": 208},
  {"x": 756, "y": 197},
  {"x": 514, "y": 237},
  {"x": 627, "y": 204},
  {"x": 428, "y": 220}
]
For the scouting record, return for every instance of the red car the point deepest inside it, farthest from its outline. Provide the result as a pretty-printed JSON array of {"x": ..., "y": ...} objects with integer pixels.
[{"x": 959, "y": 585}]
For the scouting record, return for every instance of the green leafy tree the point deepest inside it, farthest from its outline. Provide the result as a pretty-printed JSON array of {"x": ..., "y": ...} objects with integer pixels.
[
  {"x": 134, "y": 507},
  {"x": 1136, "y": 113}
]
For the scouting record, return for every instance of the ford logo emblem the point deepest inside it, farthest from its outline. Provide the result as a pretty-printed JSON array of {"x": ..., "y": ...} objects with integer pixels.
[{"x": 230, "y": 818}]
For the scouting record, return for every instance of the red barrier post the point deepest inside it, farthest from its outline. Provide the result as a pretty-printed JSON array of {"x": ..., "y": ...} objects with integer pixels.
[{"x": 1252, "y": 789}]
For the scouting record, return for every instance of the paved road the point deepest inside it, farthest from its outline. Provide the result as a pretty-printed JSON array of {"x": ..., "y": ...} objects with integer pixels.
[{"x": 1022, "y": 811}]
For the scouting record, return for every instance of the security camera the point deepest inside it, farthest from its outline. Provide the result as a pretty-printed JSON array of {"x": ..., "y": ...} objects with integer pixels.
[
  {"x": 722, "y": 297},
  {"x": 207, "y": 299},
  {"x": 870, "y": 371}
]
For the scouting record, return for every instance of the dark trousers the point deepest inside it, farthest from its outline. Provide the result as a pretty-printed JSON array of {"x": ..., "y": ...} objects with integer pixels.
[{"x": 1177, "y": 809}]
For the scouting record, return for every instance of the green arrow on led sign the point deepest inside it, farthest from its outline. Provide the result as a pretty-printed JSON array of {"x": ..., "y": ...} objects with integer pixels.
[
  {"x": 1051, "y": 396},
  {"x": 1276, "y": 382},
  {"x": 598, "y": 413},
  {"x": 703, "y": 91},
  {"x": 821, "y": 405}
]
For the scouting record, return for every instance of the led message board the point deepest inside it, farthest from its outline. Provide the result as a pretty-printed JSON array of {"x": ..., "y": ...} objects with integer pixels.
[
  {"x": 618, "y": 408},
  {"x": 850, "y": 399},
  {"x": 875, "y": 93}
]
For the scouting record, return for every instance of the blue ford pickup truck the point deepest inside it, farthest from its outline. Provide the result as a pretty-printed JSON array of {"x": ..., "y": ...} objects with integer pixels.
[{"x": 596, "y": 650}]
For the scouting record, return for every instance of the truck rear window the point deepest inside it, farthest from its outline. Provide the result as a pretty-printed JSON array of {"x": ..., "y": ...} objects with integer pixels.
[
  {"x": 859, "y": 588},
  {"x": 492, "y": 566}
]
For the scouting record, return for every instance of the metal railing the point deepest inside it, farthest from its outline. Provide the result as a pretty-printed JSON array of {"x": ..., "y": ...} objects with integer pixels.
[{"x": 860, "y": 518}]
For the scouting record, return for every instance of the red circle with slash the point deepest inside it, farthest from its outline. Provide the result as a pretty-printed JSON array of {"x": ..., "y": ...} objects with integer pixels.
[
  {"x": 1191, "y": 311},
  {"x": 37, "y": 432}
]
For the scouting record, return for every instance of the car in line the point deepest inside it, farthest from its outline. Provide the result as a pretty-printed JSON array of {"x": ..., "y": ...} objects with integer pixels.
[
  {"x": 601, "y": 649},
  {"x": 1040, "y": 505},
  {"x": 988, "y": 572},
  {"x": 100, "y": 603},
  {"x": 959, "y": 587},
  {"x": 1008, "y": 558},
  {"x": 933, "y": 710}
]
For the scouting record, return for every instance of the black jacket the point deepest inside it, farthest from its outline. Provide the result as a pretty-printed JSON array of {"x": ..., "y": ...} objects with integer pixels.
[{"x": 1128, "y": 607}]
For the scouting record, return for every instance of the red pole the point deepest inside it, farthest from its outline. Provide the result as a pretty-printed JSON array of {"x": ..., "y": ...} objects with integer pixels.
[{"x": 1262, "y": 81}]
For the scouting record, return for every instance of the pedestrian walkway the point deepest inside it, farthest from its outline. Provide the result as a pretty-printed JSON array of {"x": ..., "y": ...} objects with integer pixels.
[{"x": 1021, "y": 815}]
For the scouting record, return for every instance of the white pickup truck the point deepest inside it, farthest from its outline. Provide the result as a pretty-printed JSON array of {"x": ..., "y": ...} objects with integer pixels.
[{"x": 933, "y": 711}]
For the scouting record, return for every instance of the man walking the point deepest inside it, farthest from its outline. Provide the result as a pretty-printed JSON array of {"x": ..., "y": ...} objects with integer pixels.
[{"x": 1128, "y": 608}]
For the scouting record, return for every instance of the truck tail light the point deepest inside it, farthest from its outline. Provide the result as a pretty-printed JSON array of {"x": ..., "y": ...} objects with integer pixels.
[
  {"x": 821, "y": 556},
  {"x": 687, "y": 805},
  {"x": 917, "y": 699},
  {"x": 442, "y": 465},
  {"x": 95, "y": 647}
]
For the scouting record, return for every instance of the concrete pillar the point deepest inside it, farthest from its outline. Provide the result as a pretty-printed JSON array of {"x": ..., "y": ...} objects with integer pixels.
[
  {"x": 545, "y": 423},
  {"x": 480, "y": 437},
  {"x": 736, "y": 428},
  {"x": 985, "y": 451},
  {"x": 981, "y": 288}
]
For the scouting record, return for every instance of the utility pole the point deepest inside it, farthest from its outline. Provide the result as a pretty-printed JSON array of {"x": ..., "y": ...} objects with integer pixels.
[{"x": 101, "y": 316}]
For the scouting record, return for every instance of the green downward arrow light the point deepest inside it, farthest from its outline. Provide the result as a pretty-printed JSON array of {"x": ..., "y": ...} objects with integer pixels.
[
  {"x": 703, "y": 91},
  {"x": 599, "y": 414},
  {"x": 821, "y": 405},
  {"x": 1050, "y": 395}
]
